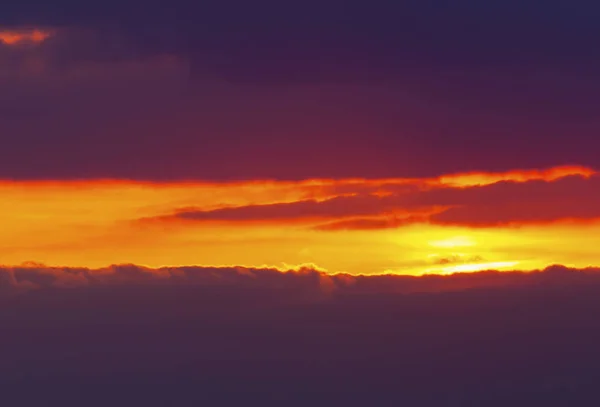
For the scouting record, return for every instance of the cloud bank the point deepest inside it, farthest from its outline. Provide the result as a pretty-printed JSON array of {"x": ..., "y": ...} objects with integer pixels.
[
  {"x": 129, "y": 335},
  {"x": 381, "y": 204},
  {"x": 306, "y": 279}
]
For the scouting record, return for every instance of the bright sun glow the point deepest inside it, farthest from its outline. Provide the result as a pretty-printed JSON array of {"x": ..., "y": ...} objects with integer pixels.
[
  {"x": 455, "y": 241},
  {"x": 497, "y": 265}
]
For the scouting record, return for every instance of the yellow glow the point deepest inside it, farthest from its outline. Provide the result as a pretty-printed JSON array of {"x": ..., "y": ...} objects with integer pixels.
[
  {"x": 495, "y": 265},
  {"x": 99, "y": 223},
  {"x": 455, "y": 241}
]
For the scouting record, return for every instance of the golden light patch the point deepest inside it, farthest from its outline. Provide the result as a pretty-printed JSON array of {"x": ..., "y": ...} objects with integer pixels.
[
  {"x": 494, "y": 265},
  {"x": 486, "y": 178},
  {"x": 97, "y": 223},
  {"x": 452, "y": 242}
]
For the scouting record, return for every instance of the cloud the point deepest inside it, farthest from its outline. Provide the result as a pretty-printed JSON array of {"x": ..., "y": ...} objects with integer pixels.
[
  {"x": 487, "y": 178},
  {"x": 372, "y": 223},
  {"x": 23, "y": 37},
  {"x": 229, "y": 336},
  {"x": 302, "y": 279},
  {"x": 307, "y": 209},
  {"x": 458, "y": 201},
  {"x": 95, "y": 93},
  {"x": 456, "y": 258},
  {"x": 570, "y": 198},
  {"x": 318, "y": 41},
  {"x": 315, "y": 80},
  {"x": 32, "y": 275}
]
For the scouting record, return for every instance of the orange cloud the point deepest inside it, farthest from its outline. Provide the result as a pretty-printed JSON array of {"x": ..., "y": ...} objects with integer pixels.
[
  {"x": 503, "y": 202},
  {"x": 486, "y": 178},
  {"x": 24, "y": 36}
]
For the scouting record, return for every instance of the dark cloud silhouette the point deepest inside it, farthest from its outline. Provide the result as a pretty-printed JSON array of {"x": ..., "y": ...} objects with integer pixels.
[
  {"x": 304, "y": 279},
  {"x": 39, "y": 276},
  {"x": 226, "y": 336},
  {"x": 330, "y": 208},
  {"x": 570, "y": 198},
  {"x": 392, "y": 205},
  {"x": 372, "y": 223}
]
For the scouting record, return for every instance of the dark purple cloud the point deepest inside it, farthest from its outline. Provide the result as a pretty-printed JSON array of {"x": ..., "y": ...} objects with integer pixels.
[
  {"x": 317, "y": 89},
  {"x": 271, "y": 40},
  {"x": 240, "y": 336},
  {"x": 338, "y": 207},
  {"x": 501, "y": 203},
  {"x": 570, "y": 198},
  {"x": 389, "y": 222},
  {"x": 306, "y": 283}
]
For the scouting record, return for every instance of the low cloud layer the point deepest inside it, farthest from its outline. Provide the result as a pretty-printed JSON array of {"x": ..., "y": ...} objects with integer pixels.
[
  {"x": 304, "y": 280},
  {"x": 128, "y": 335}
]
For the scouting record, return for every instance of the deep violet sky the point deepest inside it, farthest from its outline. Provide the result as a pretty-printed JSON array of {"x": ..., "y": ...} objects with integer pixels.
[{"x": 292, "y": 90}]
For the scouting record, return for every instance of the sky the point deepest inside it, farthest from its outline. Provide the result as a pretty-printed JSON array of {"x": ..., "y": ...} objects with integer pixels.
[
  {"x": 436, "y": 160},
  {"x": 330, "y": 134},
  {"x": 462, "y": 222}
]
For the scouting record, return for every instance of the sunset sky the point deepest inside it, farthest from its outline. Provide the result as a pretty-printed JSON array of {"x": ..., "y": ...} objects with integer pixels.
[
  {"x": 462, "y": 222},
  {"x": 163, "y": 145},
  {"x": 323, "y": 202}
]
